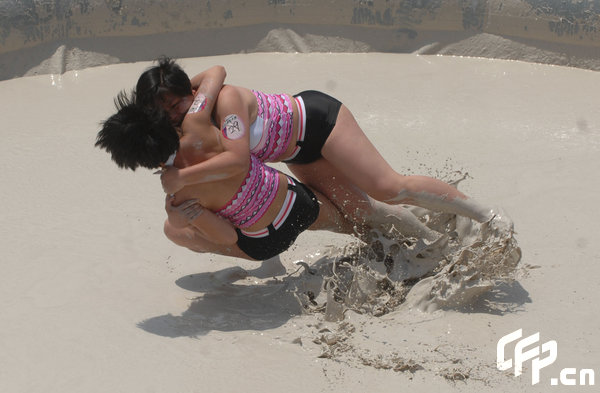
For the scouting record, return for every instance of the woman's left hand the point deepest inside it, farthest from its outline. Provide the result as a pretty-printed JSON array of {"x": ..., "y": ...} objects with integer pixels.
[{"x": 171, "y": 181}]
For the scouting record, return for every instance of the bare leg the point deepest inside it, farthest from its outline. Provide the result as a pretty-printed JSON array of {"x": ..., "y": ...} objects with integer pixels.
[
  {"x": 330, "y": 218},
  {"x": 350, "y": 151},
  {"x": 323, "y": 177},
  {"x": 190, "y": 238},
  {"x": 403, "y": 221},
  {"x": 355, "y": 205}
]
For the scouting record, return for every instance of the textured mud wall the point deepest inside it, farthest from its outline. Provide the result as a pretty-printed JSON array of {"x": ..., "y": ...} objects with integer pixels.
[{"x": 56, "y": 35}]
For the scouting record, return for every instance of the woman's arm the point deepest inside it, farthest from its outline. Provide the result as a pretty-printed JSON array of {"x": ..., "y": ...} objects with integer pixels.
[
  {"x": 234, "y": 138},
  {"x": 211, "y": 226},
  {"x": 207, "y": 85}
]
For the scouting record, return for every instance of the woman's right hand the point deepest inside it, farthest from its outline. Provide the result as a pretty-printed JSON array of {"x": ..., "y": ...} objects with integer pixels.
[
  {"x": 182, "y": 215},
  {"x": 210, "y": 225}
]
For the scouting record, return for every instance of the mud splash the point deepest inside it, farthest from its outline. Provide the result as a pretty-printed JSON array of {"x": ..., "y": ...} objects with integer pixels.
[{"x": 389, "y": 271}]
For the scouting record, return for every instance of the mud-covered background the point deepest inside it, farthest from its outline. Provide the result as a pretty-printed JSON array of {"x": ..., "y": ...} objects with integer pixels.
[{"x": 51, "y": 36}]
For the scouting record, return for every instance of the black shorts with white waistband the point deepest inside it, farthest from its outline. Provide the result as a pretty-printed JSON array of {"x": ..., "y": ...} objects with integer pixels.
[
  {"x": 273, "y": 241},
  {"x": 321, "y": 111}
]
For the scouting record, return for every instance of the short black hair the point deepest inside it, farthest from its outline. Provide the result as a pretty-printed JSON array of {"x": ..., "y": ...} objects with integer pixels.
[
  {"x": 166, "y": 77},
  {"x": 137, "y": 137}
]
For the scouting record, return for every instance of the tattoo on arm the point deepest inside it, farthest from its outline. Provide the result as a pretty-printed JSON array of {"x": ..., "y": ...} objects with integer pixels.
[
  {"x": 191, "y": 210},
  {"x": 198, "y": 104},
  {"x": 195, "y": 213},
  {"x": 233, "y": 127}
]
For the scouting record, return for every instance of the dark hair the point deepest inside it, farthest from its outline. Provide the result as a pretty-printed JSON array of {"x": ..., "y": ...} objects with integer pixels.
[
  {"x": 166, "y": 77},
  {"x": 136, "y": 137}
]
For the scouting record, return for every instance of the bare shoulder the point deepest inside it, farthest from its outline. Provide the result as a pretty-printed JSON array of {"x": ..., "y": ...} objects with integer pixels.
[{"x": 199, "y": 144}]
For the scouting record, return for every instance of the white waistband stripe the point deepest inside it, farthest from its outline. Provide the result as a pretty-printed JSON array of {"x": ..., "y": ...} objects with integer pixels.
[
  {"x": 283, "y": 214},
  {"x": 258, "y": 234},
  {"x": 301, "y": 125}
]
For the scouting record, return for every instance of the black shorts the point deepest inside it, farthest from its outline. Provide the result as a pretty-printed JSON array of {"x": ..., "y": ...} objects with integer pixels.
[
  {"x": 321, "y": 111},
  {"x": 304, "y": 212}
]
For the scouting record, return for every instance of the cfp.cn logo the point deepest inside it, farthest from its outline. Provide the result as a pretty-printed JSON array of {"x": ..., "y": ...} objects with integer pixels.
[{"x": 541, "y": 356}]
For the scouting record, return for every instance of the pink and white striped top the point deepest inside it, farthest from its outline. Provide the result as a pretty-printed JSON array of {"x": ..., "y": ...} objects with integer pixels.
[
  {"x": 254, "y": 197},
  {"x": 271, "y": 133}
]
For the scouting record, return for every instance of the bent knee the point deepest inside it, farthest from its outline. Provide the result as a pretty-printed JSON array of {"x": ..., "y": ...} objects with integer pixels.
[
  {"x": 172, "y": 233},
  {"x": 180, "y": 236},
  {"x": 384, "y": 188}
]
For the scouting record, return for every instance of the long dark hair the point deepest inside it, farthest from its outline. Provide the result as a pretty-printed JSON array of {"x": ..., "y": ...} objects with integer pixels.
[{"x": 166, "y": 77}]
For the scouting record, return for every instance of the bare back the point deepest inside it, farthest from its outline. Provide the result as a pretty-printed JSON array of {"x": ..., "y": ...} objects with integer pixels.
[{"x": 196, "y": 147}]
